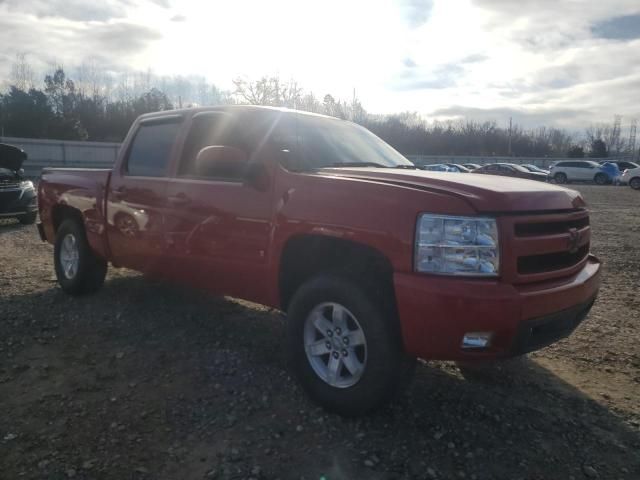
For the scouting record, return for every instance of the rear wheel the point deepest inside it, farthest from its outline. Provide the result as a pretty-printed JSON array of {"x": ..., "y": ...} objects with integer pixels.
[
  {"x": 78, "y": 269},
  {"x": 635, "y": 183},
  {"x": 601, "y": 179},
  {"x": 345, "y": 348},
  {"x": 28, "y": 218},
  {"x": 560, "y": 178}
]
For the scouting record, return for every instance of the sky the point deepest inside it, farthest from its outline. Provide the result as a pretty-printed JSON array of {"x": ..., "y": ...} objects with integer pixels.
[{"x": 566, "y": 63}]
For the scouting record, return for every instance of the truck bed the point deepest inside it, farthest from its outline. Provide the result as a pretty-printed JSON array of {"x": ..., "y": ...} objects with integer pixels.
[{"x": 83, "y": 189}]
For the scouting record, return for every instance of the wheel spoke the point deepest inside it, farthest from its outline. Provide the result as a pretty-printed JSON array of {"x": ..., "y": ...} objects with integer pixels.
[
  {"x": 339, "y": 317},
  {"x": 321, "y": 323},
  {"x": 318, "y": 348},
  {"x": 356, "y": 337},
  {"x": 352, "y": 363},
  {"x": 333, "y": 369}
]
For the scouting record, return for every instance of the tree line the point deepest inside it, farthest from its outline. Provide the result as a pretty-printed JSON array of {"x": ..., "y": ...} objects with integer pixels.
[{"x": 100, "y": 106}]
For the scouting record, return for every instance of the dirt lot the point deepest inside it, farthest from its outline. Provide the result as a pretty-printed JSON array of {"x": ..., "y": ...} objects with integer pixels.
[{"x": 146, "y": 380}]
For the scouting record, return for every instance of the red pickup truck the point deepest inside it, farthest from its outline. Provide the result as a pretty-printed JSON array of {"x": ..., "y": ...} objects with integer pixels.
[{"x": 375, "y": 262}]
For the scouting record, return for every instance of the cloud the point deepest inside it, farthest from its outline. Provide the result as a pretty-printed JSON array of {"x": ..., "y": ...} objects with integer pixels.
[
  {"x": 117, "y": 42},
  {"x": 178, "y": 18},
  {"x": 69, "y": 9},
  {"x": 409, "y": 63},
  {"x": 626, "y": 27},
  {"x": 415, "y": 12},
  {"x": 415, "y": 78},
  {"x": 474, "y": 58}
]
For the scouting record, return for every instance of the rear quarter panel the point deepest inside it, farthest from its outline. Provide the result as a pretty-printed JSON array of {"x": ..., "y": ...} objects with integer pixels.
[{"x": 80, "y": 189}]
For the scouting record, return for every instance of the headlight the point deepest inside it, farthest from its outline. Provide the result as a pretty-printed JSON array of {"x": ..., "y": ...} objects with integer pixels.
[
  {"x": 26, "y": 185},
  {"x": 457, "y": 245}
]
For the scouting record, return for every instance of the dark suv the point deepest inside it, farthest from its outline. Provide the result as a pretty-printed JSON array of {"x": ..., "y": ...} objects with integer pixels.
[{"x": 17, "y": 195}]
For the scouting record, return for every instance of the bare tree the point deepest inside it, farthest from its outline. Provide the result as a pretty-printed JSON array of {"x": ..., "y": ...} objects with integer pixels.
[{"x": 22, "y": 75}]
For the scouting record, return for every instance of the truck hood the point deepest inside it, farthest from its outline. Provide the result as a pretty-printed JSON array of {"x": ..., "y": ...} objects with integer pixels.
[
  {"x": 485, "y": 193},
  {"x": 11, "y": 157}
]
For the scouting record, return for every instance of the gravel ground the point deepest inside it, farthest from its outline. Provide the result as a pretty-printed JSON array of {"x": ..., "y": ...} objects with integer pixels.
[{"x": 146, "y": 380}]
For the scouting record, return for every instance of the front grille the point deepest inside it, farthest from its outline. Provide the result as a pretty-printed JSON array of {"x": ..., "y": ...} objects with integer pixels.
[
  {"x": 9, "y": 196},
  {"x": 9, "y": 185},
  {"x": 549, "y": 262},
  {"x": 550, "y": 228}
]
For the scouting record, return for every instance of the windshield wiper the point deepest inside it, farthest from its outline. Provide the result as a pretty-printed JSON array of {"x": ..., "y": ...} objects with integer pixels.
[{"x": 406, "y": 167}]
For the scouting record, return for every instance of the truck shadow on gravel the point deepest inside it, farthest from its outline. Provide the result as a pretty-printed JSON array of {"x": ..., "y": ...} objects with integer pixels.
[{"x": 148, "y": 380}]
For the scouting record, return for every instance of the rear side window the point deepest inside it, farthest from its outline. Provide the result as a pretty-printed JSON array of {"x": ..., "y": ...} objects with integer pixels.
[{"x": 151, "y": 149}]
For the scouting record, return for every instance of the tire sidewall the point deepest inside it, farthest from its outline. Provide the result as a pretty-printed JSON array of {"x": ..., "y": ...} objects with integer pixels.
[
  {"x": 635, "y": 183},
  {"x": 90, "y": 272},
  {"x": 383, "y": 349},
  {"x": 600, "y": 179},
  {"x": 560, "y": 178}
]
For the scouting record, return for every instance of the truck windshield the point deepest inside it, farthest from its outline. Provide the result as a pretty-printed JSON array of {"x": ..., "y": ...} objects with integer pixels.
[{"x": 334, "y": 143}]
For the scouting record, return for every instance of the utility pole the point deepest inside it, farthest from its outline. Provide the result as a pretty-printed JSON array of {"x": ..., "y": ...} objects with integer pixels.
[{"x": 510, "y": 128}]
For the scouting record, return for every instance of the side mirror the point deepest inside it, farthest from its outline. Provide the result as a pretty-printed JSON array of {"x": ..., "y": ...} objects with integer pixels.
[{"x": 221, "y": 161}]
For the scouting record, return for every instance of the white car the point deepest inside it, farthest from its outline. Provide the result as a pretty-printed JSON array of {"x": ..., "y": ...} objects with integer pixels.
[
  {"x": 578, "y": 171},
  {"x": 632, "y": 178}
]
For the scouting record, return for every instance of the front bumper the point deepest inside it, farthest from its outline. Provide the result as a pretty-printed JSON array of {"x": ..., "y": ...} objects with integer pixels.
[
  {"x": 436, "y": 312},
  {"x": 14, "y": 203}
]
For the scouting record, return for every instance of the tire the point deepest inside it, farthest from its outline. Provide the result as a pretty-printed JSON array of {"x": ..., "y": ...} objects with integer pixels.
[
  {"x": 560, "y": 178},
  {"x": 601, "y": 179},
  {"x": 635, "y": 183},
  {"x": 79, "y": 271},
  {"x": 28, "y": 218},
  {"x": 371, "y": 370}
]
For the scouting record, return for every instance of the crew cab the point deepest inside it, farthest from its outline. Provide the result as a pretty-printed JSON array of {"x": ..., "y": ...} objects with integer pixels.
[{"x": 375, "y": 262}]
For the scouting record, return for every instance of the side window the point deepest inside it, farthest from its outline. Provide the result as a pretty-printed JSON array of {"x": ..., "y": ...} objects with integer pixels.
[
  {"x": 215, "y": 129},
  {"x": 493, "y": 168},
  {"x": 151, "y": 149}
]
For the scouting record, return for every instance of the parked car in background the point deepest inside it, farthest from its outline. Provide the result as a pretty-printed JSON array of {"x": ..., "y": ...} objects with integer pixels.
[
  {"x": 439, "y": 167},
  {"x": 374, "y": 261},
  {"x": 567, "y": 171},
  {"x": 510, "y": 170},
  {"x": 458, "y": 168},
  {"x": 622, "y": 164},
  {"x": 612, "y": 171},
  {"x": 535, "y": 168},
  {"x": 631, "y": 177},
  {"x": 471, "y": 166},
  {"x": 17, "y": 196}
]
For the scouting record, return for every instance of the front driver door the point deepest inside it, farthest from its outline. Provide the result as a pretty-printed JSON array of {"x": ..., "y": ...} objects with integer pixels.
[{"x": 218, "y": 225}]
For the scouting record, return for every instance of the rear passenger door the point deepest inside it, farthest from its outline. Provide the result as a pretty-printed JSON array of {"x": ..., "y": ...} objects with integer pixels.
[{"x": 136, "y": 199}]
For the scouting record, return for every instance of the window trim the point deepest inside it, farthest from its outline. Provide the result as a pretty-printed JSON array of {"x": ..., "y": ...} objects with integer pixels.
[
  {"x": 180, "y": 156},
  {"x": 149, "y": 122}
]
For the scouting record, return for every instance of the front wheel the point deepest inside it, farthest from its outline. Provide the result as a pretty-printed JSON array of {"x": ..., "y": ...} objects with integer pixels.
[
  {"x": 635, "y": 183},
  {"x": 78, "y": 269},
  {"x": 345, "y": 348},
  {"x": 601, "y": 179},
  {"x": 560, "y": 178}
]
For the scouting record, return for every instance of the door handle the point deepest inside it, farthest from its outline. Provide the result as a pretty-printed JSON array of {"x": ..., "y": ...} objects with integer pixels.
[
  {"x": 179, "y": 199},
  {"x": 119, "y": 192}
]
